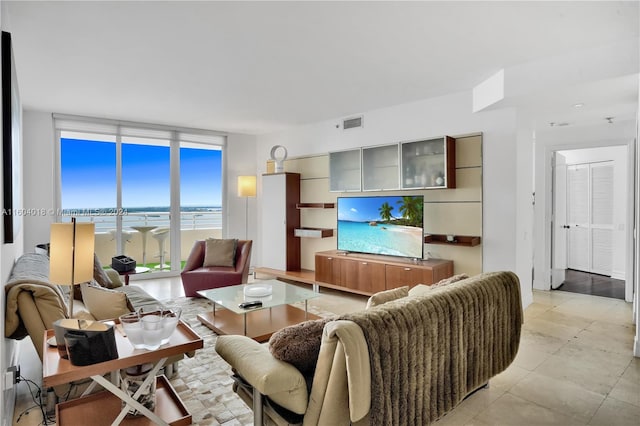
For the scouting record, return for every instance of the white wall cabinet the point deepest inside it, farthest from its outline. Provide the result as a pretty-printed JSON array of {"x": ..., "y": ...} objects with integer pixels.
[{"x": 280, "y": 218}]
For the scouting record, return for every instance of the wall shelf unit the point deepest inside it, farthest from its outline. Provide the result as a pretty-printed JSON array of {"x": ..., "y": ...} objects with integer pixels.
[
  {"x": 315, "y": 205},
  {"x": 313, "y": 232},
  {"x": 459, "y": 240}
]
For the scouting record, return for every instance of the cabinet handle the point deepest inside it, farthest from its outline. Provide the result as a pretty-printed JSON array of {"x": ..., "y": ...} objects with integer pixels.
[
  {"x": 407, "y": 269},
  {"x": 329, "y": 258},
  {"x": 364, "y": 263}
]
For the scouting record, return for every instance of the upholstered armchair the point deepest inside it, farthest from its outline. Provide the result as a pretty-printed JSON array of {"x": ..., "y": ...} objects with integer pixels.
[{"x": 196, "y": 277}]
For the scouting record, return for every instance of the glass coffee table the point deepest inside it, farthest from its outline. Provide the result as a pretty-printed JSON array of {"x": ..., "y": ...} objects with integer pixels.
[{"x": 260, "y": 322}]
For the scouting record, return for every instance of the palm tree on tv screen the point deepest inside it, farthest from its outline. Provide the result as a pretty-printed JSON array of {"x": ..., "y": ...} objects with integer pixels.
[
  {"x": 385, "y": 211},
  {"x": 411, "y": 209}
]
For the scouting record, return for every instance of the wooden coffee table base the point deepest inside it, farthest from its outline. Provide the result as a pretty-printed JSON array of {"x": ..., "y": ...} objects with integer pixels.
[{"x": 260, "y": 324}]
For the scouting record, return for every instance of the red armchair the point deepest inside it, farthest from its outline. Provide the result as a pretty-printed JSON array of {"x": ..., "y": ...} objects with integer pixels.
[{"x": 197, "y": 277}]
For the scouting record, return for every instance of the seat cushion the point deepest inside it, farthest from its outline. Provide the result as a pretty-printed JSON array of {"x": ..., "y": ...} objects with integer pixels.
[{"x": 219, "y": 252}]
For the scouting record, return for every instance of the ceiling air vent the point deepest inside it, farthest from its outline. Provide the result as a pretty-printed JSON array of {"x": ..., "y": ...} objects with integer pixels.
[{"x": 352, "y": 123}]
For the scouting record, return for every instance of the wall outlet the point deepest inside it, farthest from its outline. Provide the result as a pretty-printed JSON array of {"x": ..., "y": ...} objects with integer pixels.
[{"x": 11, "y": 376}]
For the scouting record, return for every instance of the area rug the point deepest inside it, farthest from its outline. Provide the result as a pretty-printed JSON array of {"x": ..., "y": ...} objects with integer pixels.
[{"x": 204, "y": 381}]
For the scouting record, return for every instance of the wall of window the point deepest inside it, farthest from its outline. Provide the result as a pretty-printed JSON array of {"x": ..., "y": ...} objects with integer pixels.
[{"x": 150, "y": 190}]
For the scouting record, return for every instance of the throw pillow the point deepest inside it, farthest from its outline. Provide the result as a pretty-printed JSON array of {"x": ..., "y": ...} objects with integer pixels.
[
  {"x": 103, "y": 303},
  {"x": 99, "y": 274},
  {"x": 422, "y": 289},
  {"x": 450, "y": 280},
  {"x": 387, "y": 296},
  {"x": 220, "y": 252},
  {"x": 100, "y": 278},
  {"x": 299, "y": 344}
]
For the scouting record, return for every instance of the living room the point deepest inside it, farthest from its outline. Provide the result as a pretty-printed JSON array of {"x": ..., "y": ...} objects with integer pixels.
[{"x": 516, "y": 135}]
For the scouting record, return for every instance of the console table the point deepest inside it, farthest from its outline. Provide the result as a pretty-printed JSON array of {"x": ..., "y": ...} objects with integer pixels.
[
  {"x": 368, "y": 274},
  {"x": 105, "y": 407}
]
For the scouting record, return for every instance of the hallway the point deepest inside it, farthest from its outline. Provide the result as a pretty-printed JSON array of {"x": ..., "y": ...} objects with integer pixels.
[{"x": 593, "y": 284}]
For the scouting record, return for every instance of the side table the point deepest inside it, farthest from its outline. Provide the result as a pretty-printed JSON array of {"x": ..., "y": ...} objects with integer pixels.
[
  {"x": 106, "y": 407},
  {"x": 138, "y": 270}
]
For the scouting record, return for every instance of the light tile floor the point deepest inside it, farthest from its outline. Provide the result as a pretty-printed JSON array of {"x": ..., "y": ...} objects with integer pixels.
[{"x": 574, "y": 367}]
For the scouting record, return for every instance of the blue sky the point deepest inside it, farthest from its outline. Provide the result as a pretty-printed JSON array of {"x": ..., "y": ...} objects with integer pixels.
[
  {"x": 89, "y": 175},
  {"x": 359, "y": 209}
]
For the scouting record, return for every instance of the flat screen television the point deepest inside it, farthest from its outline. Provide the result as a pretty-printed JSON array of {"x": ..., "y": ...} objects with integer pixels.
[{"x": 389, "y": 225}]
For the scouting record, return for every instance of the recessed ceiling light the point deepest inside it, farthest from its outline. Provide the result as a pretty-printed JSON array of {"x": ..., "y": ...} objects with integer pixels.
[{"x": 578, "y": 105}]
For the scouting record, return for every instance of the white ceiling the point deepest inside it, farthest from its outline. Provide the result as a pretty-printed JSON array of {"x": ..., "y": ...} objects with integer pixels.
[{"x": 256, "y": 67}]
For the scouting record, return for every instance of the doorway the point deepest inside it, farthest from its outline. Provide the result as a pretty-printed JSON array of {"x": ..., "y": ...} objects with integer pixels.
[{"x": 589, "y": 203}]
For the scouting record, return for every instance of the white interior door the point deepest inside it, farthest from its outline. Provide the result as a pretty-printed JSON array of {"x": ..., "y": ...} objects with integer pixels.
[
  {"x": 559, "y": 226},
  {"x": 578, "y": 216},
  {"x": 601, "y": 225},
  {"x": 590, "y": 217}
]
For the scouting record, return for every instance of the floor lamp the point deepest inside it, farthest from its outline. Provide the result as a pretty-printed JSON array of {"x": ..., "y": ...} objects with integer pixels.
[
  {"x": 246, "y": 189},
  {"x": 71, "y": 255}
]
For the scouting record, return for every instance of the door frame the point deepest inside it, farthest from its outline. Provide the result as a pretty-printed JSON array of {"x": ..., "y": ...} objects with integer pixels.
[{"x": 542, "y": 260}]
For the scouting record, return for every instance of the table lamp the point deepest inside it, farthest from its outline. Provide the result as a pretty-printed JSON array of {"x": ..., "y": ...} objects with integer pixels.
[
  {"x": 71, "y": 255},
  {"x": 246, "y": 188}
]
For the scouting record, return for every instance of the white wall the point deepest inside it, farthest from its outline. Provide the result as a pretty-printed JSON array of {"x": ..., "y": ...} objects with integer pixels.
[
  {"x": 619, "y": 156},
  {"x": 39, "y": 177},
  {"x": 240, "y": 161},
  {"x": 447, "y": 115}
]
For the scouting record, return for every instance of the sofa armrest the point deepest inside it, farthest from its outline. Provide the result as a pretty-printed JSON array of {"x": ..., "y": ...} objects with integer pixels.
[{"x": 278, "y": 380}]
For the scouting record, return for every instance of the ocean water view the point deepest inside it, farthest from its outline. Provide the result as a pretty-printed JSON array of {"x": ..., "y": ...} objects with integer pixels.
[
  {"x": 194, "y": 217},
  {"x": 381, "y": 239}
]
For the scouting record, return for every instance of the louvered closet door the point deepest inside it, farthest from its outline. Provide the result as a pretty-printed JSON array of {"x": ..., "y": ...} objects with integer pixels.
[
  {"x": 590, "y": 216},
  {"x": 601, "y": 217},
  {"x": 578, "y": 217}
]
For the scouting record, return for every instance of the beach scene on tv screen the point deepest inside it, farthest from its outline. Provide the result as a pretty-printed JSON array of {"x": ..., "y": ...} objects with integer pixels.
[{"x": 389, "y": 225}]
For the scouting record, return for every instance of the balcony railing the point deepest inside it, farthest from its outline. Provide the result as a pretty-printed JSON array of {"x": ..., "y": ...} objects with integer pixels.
[{"x": 189, "y": 220}]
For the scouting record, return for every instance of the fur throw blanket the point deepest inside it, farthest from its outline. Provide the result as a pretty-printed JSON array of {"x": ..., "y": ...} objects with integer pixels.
[
  {"x": 31, "y": 275},
  {"x": 428, "y": 352}
]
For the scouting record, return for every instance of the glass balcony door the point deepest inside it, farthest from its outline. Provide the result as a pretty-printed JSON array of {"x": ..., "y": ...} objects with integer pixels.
[
  {"x": 146, "y": 201},
  {"x": 150, "y": 190},
  {"x": 200, "y": 193}
]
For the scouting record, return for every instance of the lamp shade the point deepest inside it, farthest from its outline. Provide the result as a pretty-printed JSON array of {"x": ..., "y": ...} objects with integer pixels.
[
  {"x": 246, "y": 186},
  {"x": 71, "y": 253}
]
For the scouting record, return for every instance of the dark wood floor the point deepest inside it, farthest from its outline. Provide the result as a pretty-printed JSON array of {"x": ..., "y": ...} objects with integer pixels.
[{"x": 597, "y": 285}]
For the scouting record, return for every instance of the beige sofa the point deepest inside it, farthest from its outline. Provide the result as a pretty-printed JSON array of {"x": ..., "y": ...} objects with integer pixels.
[
  {"x": 407, "y": 361},
  {"x": 33, "y": 305}
]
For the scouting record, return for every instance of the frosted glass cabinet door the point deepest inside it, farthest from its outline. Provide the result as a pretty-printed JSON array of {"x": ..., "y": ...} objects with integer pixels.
[
  {"x": 344, "y": 171},
  {"x": 428, "y": 163}
]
